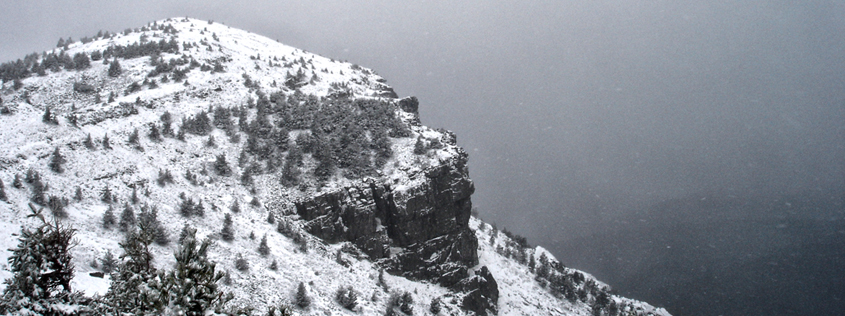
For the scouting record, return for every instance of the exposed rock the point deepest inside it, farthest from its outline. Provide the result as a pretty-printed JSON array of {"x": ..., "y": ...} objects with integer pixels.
[
  {"x": 410, "y": 105},
  {"x": 482, "y": 292},
  {"x": 429, "y": 220}
]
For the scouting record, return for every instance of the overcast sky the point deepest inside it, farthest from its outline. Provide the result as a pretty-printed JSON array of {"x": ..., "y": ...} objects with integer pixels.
[{"x": 572, "y": 111}]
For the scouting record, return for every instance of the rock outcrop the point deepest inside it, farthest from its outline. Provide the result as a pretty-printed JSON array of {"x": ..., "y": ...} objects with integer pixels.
[
  {"x": 482, "y": 292},
  {"x": 425, "y": 224}
]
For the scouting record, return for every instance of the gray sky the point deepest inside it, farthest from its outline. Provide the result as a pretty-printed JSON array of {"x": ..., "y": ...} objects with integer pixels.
[{"x": 572, "y": 111}]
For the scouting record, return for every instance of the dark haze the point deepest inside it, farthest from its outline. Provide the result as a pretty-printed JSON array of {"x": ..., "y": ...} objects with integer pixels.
[{"x": 592, "y": 126}]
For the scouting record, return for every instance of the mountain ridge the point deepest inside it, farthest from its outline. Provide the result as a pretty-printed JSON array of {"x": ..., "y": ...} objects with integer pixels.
[{"x": 284, "y": 98}]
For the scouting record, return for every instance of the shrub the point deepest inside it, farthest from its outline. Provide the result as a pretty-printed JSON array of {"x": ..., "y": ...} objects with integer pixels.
[
  {"x": 227, "y": 233},
  {"x": 108, "y": 218},
  {"x": 221, "y": 166},
  {"x": 57, "y": 161},
  {"x": 263, "y": 249},
  {"x": 302, "y": 298},
  {"x": 241, "y": 264},
  {"x": 114, "y": 68},
  {"x": 346, "y": 297}
]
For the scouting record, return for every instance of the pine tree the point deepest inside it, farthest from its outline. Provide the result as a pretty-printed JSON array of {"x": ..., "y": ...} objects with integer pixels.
[
  {"x": 111, "y": 94},
  {"x": 49, "y": 117},
  {"x": 241, "y": 264},
  {"x": 136, "y": 288},
  {"x": 57, "y": 161},
  {"x": 302, "y": 298},
  {"x": 236, "y": 207},
  {"x": 406, "y": 303},
  {"x": 154, "y": 135},
  {"x": 3, "y": 196},
  {"x": 133, "y": 138},
  {"x": 435, "y": 306},
  {"x": 221, "y": 166},
  {"x": 108, "y": 262},
  {"x": 227, "y": 233},
  {"x": 148, "y": 217},
  {"x": 127, "y": 218},
  {"x": 419, "y": 146},
  {"x": 115, "y": 69},
  {"x": 192, "y": 284},
  {"x": 210, "y": 142},
  {"x": 108, "y": 218},
  {"x": 38, "y": 189},
  {"x": 16, "y": 183},
  {"x": 42, "y": 270},
  {"x": 78, "y": 195},
  {"x": 106, "y": 142},
  {"x": 31, "y": 176},
  {"x": 89, "y": 142},
  {"x": 270, "y": 218},
  {"x": 199, "y": 210},
  {"x": 347, "y": 297},
  {"x": 106, "y": 195},
  {"x": 167, "y": 121},
  {"x": 57, "y": 206},
  {"x": 134, "y": 197},
  {"x": 274, "y": 265},
  {"x": 263, "y": 249},
  {"x": 186, "y": 230}
]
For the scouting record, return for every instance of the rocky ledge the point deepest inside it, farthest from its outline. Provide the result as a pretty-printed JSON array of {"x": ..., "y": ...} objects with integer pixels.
[{"x": 419, "y": 231}]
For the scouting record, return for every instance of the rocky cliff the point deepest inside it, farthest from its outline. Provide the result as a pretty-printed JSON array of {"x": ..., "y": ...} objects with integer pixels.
[
  {"x": 421, "y": 232},
  {"x": 244, "y": 139}
]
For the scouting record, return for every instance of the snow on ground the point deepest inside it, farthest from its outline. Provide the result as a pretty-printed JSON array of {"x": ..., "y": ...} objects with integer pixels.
[{"x": 28, "y": 143}]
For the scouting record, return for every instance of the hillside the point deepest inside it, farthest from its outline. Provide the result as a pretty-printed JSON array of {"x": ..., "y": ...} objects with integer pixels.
[{"x": 194, "y": 124}]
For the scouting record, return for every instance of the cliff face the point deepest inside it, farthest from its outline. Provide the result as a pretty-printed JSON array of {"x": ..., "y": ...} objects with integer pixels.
[{"x": 420, "y": 232}]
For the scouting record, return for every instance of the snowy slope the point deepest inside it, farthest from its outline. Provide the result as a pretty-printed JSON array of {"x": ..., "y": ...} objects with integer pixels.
[{"x": 27, "y": 143}]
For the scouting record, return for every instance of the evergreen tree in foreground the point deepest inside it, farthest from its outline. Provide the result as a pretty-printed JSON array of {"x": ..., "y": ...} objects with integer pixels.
[
  {"x": 42, "y": 270},
  {"x": 192, "y": 285},
  {"x": 135, "y": 287}
]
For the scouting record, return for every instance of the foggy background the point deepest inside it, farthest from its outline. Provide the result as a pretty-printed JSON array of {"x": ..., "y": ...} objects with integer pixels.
[{"x": 606, "y": 131}]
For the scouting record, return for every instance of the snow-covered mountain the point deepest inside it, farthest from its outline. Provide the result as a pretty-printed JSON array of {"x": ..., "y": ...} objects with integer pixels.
[{"x": 253, "y": 142}]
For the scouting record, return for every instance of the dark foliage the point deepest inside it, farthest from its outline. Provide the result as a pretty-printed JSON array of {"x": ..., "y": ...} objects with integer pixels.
[
  {"x": 48, "y": 117},
  {"x": 114, "y": 69},
  {"x": 3, "y": 196},
  {"x": 57, "y": 161},
  {"x": 263, "y": 248},
  {"x": 16, "y": 183},
  {"x": 241, "y": 264},
  {"x": 127, "y": 218},
  {"x": 78, "y": 195},
  {"x": 89, "y": 142},
  {"x": 302, "y": 298},
  {"x": 106, "y": 142},
  {"x": 106, "y": 195},
  {"x": 57, "y": 206},
  {"x": 108, "y": 218},
  {"x": 227, "y": 234},
  {"x": 42, "y": 270},
  {"x": 38, "y": 191},
  {"x": 346, "y": 297}
]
